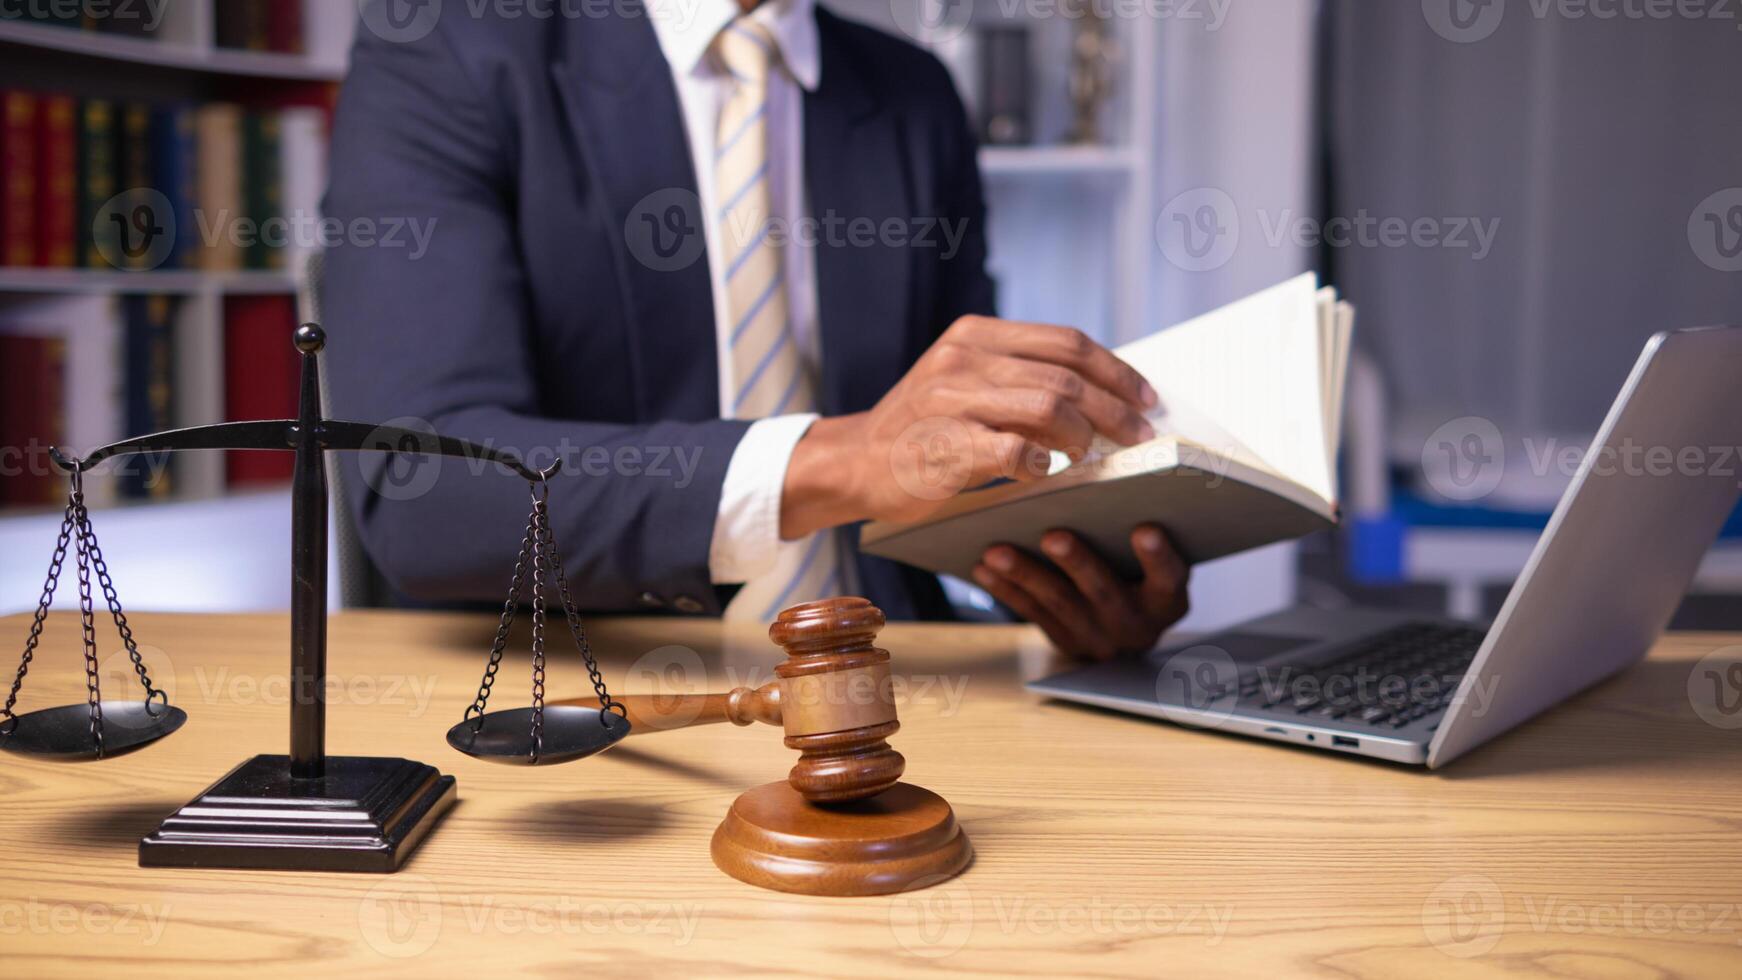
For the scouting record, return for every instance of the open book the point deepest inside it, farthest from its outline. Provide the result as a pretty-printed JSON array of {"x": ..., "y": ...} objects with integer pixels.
[{"x": 1245, "y": 452}]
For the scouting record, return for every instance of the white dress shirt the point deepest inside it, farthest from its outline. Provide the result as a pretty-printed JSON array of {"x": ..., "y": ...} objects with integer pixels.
[{"x": 747, "y": 530}]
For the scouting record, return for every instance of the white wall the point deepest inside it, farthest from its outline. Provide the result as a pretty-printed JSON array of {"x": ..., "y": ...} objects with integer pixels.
[
  {"x": 223, "y": 555},
  {"x": 1236, "y": 117}
]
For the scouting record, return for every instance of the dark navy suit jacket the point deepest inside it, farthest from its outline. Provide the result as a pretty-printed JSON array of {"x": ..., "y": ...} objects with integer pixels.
[{"x": 528, "y": 323}]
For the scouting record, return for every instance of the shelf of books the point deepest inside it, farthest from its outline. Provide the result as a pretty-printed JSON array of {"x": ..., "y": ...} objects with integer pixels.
[
  {"x": 149, "y": 252},
  {"x": 286, "y": 39}
]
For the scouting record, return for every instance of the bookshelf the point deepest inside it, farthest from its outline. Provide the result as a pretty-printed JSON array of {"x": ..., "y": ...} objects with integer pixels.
[
  {"x": 1070, "y": 225},
  {"x": 165, "y": 52},
  {"x": 232, "y": 539}
]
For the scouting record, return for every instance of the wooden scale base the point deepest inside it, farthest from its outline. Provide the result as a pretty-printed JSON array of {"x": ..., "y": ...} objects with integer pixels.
[{"x": 904, "y": 837}]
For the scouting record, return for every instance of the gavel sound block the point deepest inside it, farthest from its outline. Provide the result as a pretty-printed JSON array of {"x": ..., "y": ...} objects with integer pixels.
[{"x": 841, "y": 823}]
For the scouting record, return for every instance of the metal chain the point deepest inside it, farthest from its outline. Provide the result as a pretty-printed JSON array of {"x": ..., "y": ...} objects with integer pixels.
[
  {"x": 509, "y": 608},
  {"x": 577, "y": 630},
  {"x": 87, "y": 617},
  {"x": 540, "y": 568},
  {"x": 538, "y": 550},
  {"x": 88, "y": 536},
  {"x": 10, "y": 722}
]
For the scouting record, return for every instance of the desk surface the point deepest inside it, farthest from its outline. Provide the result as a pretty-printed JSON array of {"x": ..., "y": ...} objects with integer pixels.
[{"x": 1600, "y": 840}]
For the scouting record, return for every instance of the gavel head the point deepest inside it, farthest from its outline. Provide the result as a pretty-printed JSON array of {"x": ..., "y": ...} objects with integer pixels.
[{"x": 836, "y": 700}]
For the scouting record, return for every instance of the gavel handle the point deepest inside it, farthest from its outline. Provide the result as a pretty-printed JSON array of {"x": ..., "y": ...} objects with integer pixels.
[{"x": 668, "y": 712}]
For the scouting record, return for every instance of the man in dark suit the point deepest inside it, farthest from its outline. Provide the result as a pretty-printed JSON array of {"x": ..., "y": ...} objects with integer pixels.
[{"x": 728, "y": 267}]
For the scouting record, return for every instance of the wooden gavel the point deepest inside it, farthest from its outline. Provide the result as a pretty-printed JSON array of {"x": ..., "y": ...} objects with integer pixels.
[
  {"x": 842, "y": 822},
  {"x": 833, "y": 697}
]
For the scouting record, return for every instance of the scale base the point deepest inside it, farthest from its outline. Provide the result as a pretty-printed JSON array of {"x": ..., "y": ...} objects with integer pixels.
[
  {"x": 902, "y": 838},
  {"x": 366, "y": 814}
]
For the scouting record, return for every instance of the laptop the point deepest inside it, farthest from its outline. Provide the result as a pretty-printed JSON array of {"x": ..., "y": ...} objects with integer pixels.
[{"x": 1645, "y": 504}]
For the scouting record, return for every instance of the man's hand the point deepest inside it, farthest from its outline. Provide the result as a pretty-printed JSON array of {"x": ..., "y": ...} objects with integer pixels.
[
  {"x": 1084, "y": 607},
  {"x": 987, "y": 401}
]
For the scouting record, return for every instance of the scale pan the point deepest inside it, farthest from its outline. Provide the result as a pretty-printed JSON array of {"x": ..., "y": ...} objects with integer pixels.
[
  {"x": 64, "y": 734},
  {"x": 570, "y": 732}
]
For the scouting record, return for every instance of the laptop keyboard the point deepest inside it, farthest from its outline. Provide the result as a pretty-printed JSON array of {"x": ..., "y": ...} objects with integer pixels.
[{"x": 1388, "y": 680}]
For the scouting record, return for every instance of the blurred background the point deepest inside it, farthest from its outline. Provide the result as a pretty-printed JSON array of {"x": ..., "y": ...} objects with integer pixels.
[{"x": 1514, "y": 195}]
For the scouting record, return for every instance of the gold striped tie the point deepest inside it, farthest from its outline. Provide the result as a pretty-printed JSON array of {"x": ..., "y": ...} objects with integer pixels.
[{"x": 769, "y": 375}]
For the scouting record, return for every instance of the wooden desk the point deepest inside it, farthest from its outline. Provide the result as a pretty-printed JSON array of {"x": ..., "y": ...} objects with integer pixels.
[{"x": 1603, "y": 840}]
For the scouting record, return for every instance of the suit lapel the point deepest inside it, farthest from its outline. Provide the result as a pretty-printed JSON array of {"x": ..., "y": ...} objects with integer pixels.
[
  {"x": 854, "y": 172},
  {"x": 627, "y": 130}
]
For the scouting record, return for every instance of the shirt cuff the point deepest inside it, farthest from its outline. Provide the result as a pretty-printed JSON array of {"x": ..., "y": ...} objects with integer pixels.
[{"x": 747, "y": 530}]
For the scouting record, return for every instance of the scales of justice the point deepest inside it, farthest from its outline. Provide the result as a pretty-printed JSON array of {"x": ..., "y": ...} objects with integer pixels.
[{"x": 842, "y": 823}]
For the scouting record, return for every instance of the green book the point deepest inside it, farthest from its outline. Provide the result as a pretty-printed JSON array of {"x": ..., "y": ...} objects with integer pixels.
[
  {"x": 263, "y": 189},
  {"x": 97, "y": 161}
]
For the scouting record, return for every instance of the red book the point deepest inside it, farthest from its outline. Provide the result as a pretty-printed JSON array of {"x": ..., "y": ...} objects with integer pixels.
[
  {"x": 57, "y": 181},
  {"x": 284, "y": 26},
  {"x": 32, "y": 418},
  {"x": 260, "y": 379},
  {"x": 17, "y": 178}
]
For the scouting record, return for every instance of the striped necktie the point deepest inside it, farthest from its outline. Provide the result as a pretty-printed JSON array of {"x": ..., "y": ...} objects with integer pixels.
[{"x": 769, "y": 375}]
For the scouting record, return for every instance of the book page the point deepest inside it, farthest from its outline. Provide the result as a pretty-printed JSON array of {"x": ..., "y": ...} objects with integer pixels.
[
  {"x": 1258, "y": 370},
  {"x": 1343, "y": 332}
]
